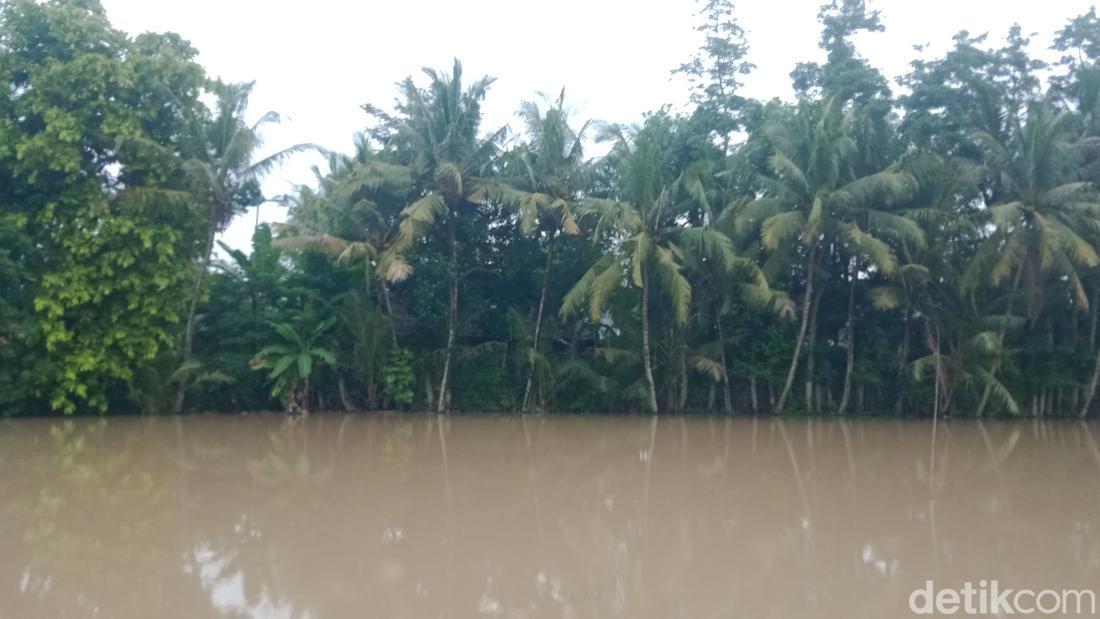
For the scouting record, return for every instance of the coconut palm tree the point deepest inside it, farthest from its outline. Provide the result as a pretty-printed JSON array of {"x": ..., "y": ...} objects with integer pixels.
[
  {"x": 226, "y": 177},
  {"x": 813, "y": 193},
  {"x": 1040, "y": 211},
  {"x": 543, "y": 180},
  {"x": 437, "y": 148},
  {"x": 926, "y": 282},
  {"x": 339, "y": 196},
  {"x": 740, "y": 280},
  {"x": 642, "y": 222}
]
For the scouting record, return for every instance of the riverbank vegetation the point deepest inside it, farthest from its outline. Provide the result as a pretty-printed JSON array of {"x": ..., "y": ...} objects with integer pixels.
[{"x": 914, "y": 247}]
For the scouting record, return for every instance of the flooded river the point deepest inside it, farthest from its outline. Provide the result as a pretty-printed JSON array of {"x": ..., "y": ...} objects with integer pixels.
[{"x": 563, "y": 517}]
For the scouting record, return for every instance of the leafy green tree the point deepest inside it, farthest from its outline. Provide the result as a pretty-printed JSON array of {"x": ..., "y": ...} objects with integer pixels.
[
  {"x": 970, "y": 88},
  {"x": 845, "y": 74},
  {"x": 716, "y": 70},
  {"x": 100, "y": 242}
]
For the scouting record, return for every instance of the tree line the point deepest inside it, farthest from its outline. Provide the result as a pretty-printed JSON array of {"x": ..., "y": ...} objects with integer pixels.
[{"x": 924, "y": 246}]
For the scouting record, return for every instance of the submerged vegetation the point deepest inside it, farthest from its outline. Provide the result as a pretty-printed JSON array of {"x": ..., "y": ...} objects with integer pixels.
[{"x": 919, "y": 248}]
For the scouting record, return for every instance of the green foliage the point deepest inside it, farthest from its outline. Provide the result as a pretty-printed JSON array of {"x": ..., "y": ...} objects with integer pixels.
[
  {"x": 101, "y": 243},
  {"x": 154, "y": 384},
  {"x": 291, "y": 362},
  {"x": 852, "y": 251},
  {"x": 110, "y": 304},
  {"x": 398, "y": 378}
]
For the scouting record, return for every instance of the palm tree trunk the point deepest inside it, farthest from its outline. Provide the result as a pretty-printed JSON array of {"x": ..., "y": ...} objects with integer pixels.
[
  {"x": 452, "y": 318},
  {"x": 940, "y": 385},
  {"x": 342, "y": 388},
  {"x": 389, "y": 313},
  {"x": 903, "y": 360},
  {"x": 646, "y": 361},
  {"x": 807, "y": 304},
  {"x": 727, "y": 402},
  {"x": 538, "y": 322},
  {"x": 681, "y": 404},
  {"x": 189, "y": 328},
  {"x": 1091, "y": 391},
  {"x": 851, "y": 337},
  {"x": 428, "y": 394},
  {"x": 1000, "y": 340},
  {"x": 813, "y": 391},
  {"x": 1093, "y": 310}
]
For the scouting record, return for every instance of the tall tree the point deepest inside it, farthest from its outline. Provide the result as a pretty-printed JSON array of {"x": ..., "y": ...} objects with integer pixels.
[
  {"x": 845, "y": 74},
  {"x": 813, "y": 193},
  {"x": 543, "y": 179},
  {"x": 642, "y": 220},
  {"x": 436, "y": 136},
  {"x": 99, "y": 237},
  {"x": 1039, "y": 212},
  {"x": 225, "y": 176},
  {"x": 716, "y": 70}
]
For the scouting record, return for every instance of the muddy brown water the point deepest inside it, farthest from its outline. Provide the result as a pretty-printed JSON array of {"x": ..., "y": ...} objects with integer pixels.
[{"x": 565, "y": 517}]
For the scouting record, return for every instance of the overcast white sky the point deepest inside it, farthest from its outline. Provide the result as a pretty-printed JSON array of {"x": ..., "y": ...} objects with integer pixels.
[{"x": 315, "y": 62}]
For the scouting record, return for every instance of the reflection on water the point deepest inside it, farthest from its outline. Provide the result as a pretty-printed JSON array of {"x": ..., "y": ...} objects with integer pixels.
[{"x": 421, "y": 516}]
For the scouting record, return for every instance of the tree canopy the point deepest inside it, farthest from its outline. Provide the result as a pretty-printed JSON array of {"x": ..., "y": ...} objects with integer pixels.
[{"x": 920, "y": 245}]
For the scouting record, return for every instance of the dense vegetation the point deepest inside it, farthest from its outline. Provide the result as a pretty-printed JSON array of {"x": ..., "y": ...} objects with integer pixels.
[{"x": 927, "y": 247}]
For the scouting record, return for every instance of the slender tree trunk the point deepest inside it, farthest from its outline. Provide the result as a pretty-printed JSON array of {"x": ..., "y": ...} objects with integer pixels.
[
  {"x": 753, "y": 398},
  {"x": 538, "y": 323},
  {"x": 1093, "y": 310},
  {"x": 851, "y": 337},
  {"x": 373, "y": 402},
  {"x": 1090, "y": 392},
  {"x": 940, "y": 386},
  {"x": 903, "y": 360},
  {"x": 189, "y": 328},
  {"x": 389, "y": 313},
  {"x": 813, "y": 390},
  {"x": 646, "y": 361},
  {"x": 344, "y": 399},
  {"x": 727, "y": 400},
  {"x": 1094, "y": 380},
  {"x": 428, "y": 393},
  {"x": 1001, "y": 340},
  {"x": 452, "y": 317},
  {"x": 807, "y": 305},
  {"x": 681, "y": 404}
]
